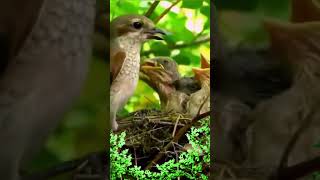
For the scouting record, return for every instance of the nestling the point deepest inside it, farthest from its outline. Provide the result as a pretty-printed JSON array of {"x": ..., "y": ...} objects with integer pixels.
[
  {"x": 200, "y": 101},
  {"x": 161, "y": 74},
  {"x": 128, "y": 33}
]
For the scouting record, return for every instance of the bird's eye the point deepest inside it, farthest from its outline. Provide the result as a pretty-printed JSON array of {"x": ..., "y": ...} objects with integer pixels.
[{"x": 137, "y": 25}]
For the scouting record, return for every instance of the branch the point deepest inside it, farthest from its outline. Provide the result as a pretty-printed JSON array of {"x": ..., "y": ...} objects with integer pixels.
[
  {"x": 181, "y": 46},
  {"x": 300, "y": 170},
  {"x": 193, "y": 43},
  {"x": 65, "y": 167},
  {"x": 176, "y": 138},
  {"x": 166, "y": 11},
  {"x": 152, "y": 8},
  {"x": 305, "y": 123}
]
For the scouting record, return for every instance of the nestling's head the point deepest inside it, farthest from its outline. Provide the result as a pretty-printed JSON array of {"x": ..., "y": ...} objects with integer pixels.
[
  {"x": 135, "y": 26},
  {"x": 160, "y": 70},
  {"x": 202, "y": 75}
]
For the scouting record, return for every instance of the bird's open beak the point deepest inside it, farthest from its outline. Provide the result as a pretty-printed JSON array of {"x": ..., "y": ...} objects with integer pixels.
[
  {"x": 156, "y": 34},
  {"x": 201, "y": 73},
  {"x": 151, "y": 65}
]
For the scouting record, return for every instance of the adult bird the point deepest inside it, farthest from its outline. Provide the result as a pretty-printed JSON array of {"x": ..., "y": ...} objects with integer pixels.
[
  {"x": 128, "y": 33},
  {"x": 161, "y": 73},
  {"x": 45, "y": 48}
]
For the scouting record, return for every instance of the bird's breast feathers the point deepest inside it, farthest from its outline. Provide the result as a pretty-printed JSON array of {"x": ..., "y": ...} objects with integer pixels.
[{"x": 125, "y": 60}]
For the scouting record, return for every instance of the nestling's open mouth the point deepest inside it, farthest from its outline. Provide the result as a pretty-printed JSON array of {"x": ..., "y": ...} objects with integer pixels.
[{"x": 151, "y": 65}]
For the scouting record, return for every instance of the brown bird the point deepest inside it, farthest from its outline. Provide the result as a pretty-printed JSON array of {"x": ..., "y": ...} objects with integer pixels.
[
  {"x": 200, "y": 101},
  {"x": 161, "y": 73},
  {"x": 44, "y": 52},
  {"x": 128, "y": 33}
]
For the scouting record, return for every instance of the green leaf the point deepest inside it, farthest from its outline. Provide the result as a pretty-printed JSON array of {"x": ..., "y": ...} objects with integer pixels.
[
  {"x": 182, "y": 59},
  {"x": 192, "y": 4},
  {"x": 160, "y": 49},
  {"x": 205, "y": 10}
]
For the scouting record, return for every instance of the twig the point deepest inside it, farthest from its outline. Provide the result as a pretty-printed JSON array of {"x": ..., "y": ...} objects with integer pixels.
[
  {"x": 300, "y": 170},
  {"x": 166, "y": 11},
  {"x": 177, "y": 156},
  {"x": 193, "y": 43},
  {"x": 152, "y": 8},
  {"x": 135, "y": 157},
  {"x": 201, "y": 106},
  {"x": 181, "y": 46},
  {"x": 305, "y": 122},
  {"x": 175, "y": 126},
  {"x": 64, "y": 167},
  {"x": 176, "y": 138}
]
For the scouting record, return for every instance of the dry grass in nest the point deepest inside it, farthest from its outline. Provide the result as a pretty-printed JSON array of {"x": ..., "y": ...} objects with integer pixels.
[{"x": 148, "y": 131}]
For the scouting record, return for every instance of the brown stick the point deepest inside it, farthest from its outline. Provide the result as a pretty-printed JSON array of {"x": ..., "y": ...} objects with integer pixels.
[
  {"x": 166, "y": 11},
  {"x": 152, "y": 8},
  {"x": 305, "y": 123},
  {"x": 176, "y": 138}
]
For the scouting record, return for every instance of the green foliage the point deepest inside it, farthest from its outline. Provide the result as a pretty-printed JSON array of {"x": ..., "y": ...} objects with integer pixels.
[
  {"x": 190, "y": 164},
  {"x": 185, "y": 23}
]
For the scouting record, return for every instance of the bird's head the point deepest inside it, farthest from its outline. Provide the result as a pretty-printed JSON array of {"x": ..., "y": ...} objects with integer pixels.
[
  {"x": 202, "y": 75},
  {"x": 136, "y": 27},
  {"x": 160, "y": 73},
  {"x": 160, "y": 69}
]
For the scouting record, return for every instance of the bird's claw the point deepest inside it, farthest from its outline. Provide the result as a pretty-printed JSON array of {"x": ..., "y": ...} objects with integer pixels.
[{"x": 115, "y": 126}]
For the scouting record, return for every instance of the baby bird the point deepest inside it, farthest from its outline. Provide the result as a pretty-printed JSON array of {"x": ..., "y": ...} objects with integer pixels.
[
  {"x": 161, "y": 73},
  {"x": 200, "y": 100}
]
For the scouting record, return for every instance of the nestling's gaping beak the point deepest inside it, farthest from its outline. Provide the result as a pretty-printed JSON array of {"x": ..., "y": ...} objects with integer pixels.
[
  {"x": 151, "y": 65},
  {"x": 201, "y": 73},
  {"x": 155, "y": 34}
]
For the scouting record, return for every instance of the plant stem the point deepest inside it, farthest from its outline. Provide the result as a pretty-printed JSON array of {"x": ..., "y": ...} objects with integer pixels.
[
  {"x": 166, "y": 11},
  {"x": 152, "y": 8}
]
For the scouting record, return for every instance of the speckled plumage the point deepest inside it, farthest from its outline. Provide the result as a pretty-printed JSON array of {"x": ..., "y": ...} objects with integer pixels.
[
  {"x": 128, "y": 33},
  {"x": 125, "y": 82}
]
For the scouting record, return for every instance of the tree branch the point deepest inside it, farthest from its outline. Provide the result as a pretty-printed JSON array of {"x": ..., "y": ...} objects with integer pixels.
[
  {"x": 152, "y": 8},
  {"x": 300, "y": 170},
  {"x": 166, "y": 11},
  {"x": 193, "y": 43},
  {"x": 65, "y": 167},
  {"x": 305, "y": 123}
]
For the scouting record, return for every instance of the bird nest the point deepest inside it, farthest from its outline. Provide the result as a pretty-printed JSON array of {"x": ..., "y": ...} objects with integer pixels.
[{"x": 149, "y": 131}]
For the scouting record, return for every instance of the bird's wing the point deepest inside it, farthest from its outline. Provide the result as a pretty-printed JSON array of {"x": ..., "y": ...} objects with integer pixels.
[
  {"x": 17, "y": 18},
  {"x": 116, "y": 62}
]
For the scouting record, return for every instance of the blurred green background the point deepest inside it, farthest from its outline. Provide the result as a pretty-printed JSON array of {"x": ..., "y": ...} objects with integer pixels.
[
  {"x": 240, "y": 22},
  {"x": 186, "y": 23}
]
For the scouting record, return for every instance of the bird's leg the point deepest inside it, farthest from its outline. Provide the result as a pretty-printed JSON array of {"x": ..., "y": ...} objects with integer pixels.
[{"x": 113, "y": 118}]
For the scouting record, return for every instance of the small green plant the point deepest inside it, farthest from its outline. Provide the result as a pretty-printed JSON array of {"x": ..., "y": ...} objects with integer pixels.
[{"x": 190, "y": 164}]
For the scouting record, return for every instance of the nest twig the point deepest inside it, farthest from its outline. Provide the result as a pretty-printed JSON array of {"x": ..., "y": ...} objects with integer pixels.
[{"x": 151, "y": 129}]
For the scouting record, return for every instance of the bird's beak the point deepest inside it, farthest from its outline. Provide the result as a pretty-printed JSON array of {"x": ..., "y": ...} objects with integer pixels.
[
  {"x": 156, "y": 34},
  {"x": 201, "y": 74},
  {"x": 151, "y": 65}
]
